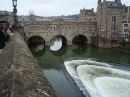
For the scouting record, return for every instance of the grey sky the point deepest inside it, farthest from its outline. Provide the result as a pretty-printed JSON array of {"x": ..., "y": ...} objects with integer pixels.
[{"x": 52, "y": 7}]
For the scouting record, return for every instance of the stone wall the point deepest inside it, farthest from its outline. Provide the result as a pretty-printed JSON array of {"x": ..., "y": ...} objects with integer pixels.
[
  {"x": 101, "y": 42},
  {"x": 20, "y": 74}
]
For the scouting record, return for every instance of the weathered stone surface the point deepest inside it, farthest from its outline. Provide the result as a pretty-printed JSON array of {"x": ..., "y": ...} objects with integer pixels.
[{"x": 20, "y": 74}]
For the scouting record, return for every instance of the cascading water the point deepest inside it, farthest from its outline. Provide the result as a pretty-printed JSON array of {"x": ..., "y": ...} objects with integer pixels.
[{"x": 98, "y": 79}]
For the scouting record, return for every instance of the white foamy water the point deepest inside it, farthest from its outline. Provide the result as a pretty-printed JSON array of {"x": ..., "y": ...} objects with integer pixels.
[
  {"x": 99, "y": 79},
  {"x": 56, "y": 43},
  {"x": 113, "y": 87}
]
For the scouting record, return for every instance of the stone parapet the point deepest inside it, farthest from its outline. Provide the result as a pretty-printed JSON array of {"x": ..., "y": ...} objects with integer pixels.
[{"x": 20, "y": 74}]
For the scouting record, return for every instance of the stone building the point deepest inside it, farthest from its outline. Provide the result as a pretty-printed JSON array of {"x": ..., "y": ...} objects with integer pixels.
[
  {"x": 109, "y": 20},
  {"x": 110, "y": 17},
  {"x": 87, "y": 14}
]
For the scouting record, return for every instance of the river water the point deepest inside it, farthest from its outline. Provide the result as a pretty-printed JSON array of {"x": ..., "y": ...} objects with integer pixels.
[{"x": 50, "y": 61}]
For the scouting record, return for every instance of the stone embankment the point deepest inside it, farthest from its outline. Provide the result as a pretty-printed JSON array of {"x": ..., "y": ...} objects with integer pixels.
[{"x": 20, "y": 74}]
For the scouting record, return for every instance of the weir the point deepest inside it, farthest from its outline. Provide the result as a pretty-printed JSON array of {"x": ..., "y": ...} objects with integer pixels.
[
  {"x": 98, "y": 79},
  {"x": 20, "y": 74}
]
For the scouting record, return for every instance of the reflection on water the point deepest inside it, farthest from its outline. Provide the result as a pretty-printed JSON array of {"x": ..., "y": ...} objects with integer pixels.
[
  {"x": 59, "y": 82},
  {"x": 80, "y": 49},
  {"x": 60, "y": 52},
  {"x": 49, "y": 60}
]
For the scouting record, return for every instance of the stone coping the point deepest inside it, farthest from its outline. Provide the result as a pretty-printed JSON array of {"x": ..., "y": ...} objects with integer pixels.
[{"x": 20, "y": 74}]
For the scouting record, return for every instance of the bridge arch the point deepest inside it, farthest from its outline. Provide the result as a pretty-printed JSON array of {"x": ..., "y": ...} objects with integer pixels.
[
  {"x": 113, "y": 41},
  {"x": 81, "y": 38},
  {"x": 67, "y": 37},
  {"x": 35, "y": 39}
]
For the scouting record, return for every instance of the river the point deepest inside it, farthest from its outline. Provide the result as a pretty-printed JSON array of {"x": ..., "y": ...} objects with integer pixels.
[{"x": 50, "y": 61}]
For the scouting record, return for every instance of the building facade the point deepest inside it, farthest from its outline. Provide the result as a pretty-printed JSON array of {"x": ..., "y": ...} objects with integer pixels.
[
  {"x": 6, "y": 17},
  {"x": 126, "y": 30}
]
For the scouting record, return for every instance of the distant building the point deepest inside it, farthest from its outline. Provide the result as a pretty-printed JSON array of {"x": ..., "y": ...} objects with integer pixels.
[
  {"x": 87, "y": 14},
  {"x": 6, "y": 17}
]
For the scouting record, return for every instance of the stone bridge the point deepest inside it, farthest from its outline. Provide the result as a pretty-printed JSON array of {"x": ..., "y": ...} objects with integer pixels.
[
  {"x": 20, "y": 74},
  {"x": 68, "y": 29}
]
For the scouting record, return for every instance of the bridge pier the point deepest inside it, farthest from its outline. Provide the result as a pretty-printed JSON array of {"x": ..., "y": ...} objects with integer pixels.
[
  {"x": 47, "y": 43},
  {"x": 89, "y": 41},
  {"x": 69, "y": 42}
]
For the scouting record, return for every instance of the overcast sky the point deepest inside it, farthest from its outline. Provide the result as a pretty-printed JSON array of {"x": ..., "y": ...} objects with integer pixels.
[{"x": 52, "y": 7}]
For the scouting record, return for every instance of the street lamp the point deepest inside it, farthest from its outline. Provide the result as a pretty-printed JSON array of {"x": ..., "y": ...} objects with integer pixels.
[
  {"x": 15, "y": 12},
  {"x": 14, "y": 2}
]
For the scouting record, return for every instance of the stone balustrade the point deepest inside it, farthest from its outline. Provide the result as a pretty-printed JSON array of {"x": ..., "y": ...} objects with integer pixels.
[{"x": 20, "y": 74}]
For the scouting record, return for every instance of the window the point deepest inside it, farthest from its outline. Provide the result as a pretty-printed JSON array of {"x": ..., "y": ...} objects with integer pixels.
[
  {"x": 123, "y": 17},
  {"x": 125, "y": 25},
  {"x": 113, "y": 18},
  {"x": 125, "y": 30},
  {"x": 125, "y": 35},
  {"x": 114, "y": 34},
  {"x": 114, "y": 27}
]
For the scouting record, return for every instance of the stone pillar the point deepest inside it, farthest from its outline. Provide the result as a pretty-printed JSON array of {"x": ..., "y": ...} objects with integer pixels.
[
  {"x": 69, "y": 42},
  {"x": 89, "y": 41},
  {"x": 47, "y": 43}
]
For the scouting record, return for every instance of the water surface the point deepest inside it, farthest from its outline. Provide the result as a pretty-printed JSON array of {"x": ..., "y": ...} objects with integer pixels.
[{"x": 50, "y": 62}]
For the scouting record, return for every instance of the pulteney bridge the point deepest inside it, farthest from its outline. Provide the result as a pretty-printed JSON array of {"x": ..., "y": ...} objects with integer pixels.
[{"x": 67, "y": 29}]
